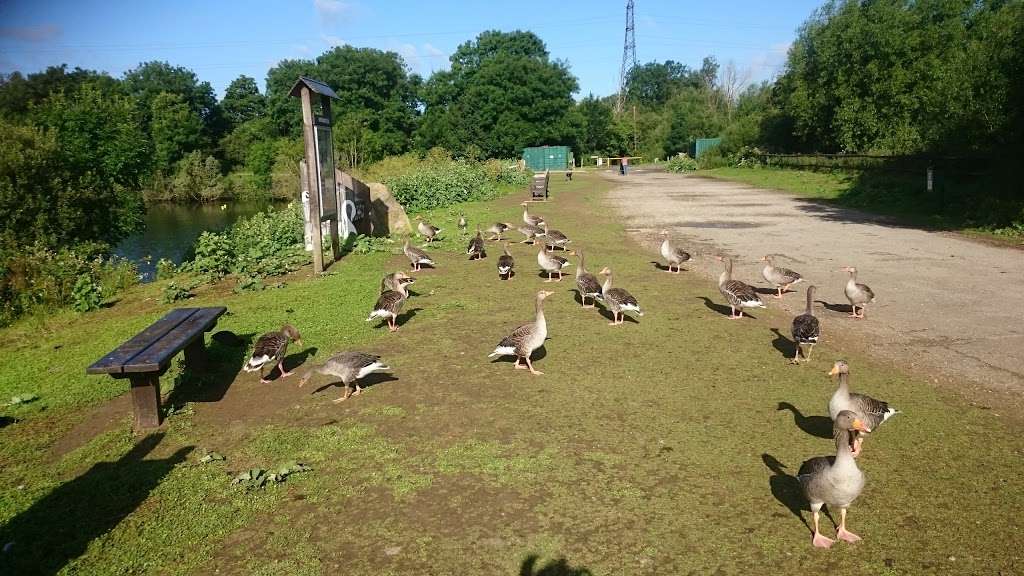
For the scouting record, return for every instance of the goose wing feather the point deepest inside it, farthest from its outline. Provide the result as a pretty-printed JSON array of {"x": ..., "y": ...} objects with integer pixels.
[
  {"x": 390, "y": 301},
  {"x": 620, "y": 297},
  {"x": 588, "y": 284},
  {"x": 415, "y": 254},
  {"x": 806, "y": 329},
  {"x": 738, "y": 292},
  {"x": 270, "y": 346},
  {"x": 518, "y": 338},
  {"x": 873, "y": 411}
]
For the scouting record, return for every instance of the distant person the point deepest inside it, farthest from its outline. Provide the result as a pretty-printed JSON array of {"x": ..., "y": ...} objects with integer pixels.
[
  {"x": 625, "y": 165},
  {"x": 622, "y": 166}
]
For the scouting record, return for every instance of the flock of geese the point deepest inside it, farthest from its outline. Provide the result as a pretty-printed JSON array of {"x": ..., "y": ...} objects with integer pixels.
[{"x": 832, "y": 480}]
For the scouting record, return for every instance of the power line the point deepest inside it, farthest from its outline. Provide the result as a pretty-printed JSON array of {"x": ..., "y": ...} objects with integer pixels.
[{"x": 628, "y": 55}]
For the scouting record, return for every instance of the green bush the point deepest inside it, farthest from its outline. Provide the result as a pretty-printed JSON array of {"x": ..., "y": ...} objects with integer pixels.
[
  {"x": 506, "y": 171},
  {"x": 268, "y": 243},
  {"x": 215, "y": 255},
  {"x": 442, "y": 184},
  {"x": 199, "y": 179},
  {"x": 165, "y": 269},
  {"x": 175, "y": 293},
  {"x": 681, "y": 163},
  {"x": 86, "y": 295}
]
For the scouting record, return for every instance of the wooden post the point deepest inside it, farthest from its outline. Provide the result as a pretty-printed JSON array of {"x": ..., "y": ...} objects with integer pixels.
[
  {"x": 146, "y": 399},
  {"x": 314, "y": 182},
  {"x": 333, "y": 223}
]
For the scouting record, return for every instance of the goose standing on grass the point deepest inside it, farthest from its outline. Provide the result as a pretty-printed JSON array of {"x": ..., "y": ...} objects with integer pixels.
[
  {"x": 270, "y": 350},
  {"x": 872, "y": 412},
  {"x": 587, "y": 284},
  {"x": 673, "y": 254},
  {"x": 349, "y": 367},
  {"x": 806, "y": 328},
  {"x": 781, "y": 278},
  {"x": 475, "y": 249},
  {"x": 462, "y": 224},
  {"x": 389, "y": 304},
  {"x": 429, "y": 231},
  {"x": 858, "y": 294},
  {"x": 531, "y": 219},
  {"x": 554, "y": 238},
  {"x": 416, "y": 256},
  {"x": 739, "y": 294},
  {"x": 522, "y": 342},
  {"x": 505, "y": 264},
  {"x": 497, "y": 229},
  {"x": 835, "y": 480},
  {"x": 531, "y": 232},
  {"x": 550, "y": 263},
  {"x": 617, "y": 299}
]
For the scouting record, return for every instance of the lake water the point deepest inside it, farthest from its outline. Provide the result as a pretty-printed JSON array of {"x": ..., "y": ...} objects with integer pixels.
[{"x": 172, "y": 229}]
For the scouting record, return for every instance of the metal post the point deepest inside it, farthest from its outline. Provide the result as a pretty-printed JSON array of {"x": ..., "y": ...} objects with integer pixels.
[{"x": 313, "y": 179}]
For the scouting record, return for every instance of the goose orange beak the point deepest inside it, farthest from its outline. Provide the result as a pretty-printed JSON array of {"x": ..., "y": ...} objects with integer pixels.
[
  {"x": 833, "y": 371},
  {"x": 860, "y": 426}
]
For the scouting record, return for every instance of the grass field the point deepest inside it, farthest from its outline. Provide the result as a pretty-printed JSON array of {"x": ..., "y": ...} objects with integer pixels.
[
  {"x": 897, "y": 195},
  {"x": 664, "y": 446}
]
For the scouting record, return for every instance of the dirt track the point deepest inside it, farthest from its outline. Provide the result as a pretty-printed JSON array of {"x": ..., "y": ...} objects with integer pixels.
[{"x": 946, "y": 306}]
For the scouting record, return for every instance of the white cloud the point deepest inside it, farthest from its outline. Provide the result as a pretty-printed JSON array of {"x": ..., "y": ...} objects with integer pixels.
[
  {"x": 411, "y": 56},
  {"x": 769, "y": 63},
  {"x": 331, "y": 40},
  {"x": 331, "y": 11}
]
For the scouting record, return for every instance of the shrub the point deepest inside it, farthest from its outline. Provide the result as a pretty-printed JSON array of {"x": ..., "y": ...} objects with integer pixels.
[
  {"x": 268, "y": 243},
  {"x": 214, "y": 255},
  {"x": 165, "y": 269},
  {"x": 175, "y": 293},
  {"x": 506, "y": 172},
  {"x": 86, "y": 295},
  {"x": 197, "y": 178},
  {"x": 681, "y": 163},
  {"x": 442, "y": 184}
]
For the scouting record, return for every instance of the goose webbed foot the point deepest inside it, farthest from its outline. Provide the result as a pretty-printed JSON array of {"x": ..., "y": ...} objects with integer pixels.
[
  {"x": 280, "y": 367},
  {"x": 532, "y": 370},
  {"x": 844, "y": 534},
  {"x": 821, "y": 541}
]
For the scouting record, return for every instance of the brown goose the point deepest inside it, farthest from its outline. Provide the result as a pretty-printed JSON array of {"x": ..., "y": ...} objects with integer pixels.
[
  {"x": 531, "y": 232},
  {"x": 531, "y": 219},
  {"x": 550, "y": 263},
  {"x": 554, "y": 238},
  {"x": 835, "y": 480},
  {"x": 390, "y": 303},
  {"x": 505, "y": 264},
  {"x": 525, "y": 339},
  {"x": 858, "y": 294},
  {"x": 349, "y": 367},
  {"x": 475, "y": 249},
  {"x": 587, "y": 284},
  {"x": 416, "y": 256},
  {"x": 497, "y": 229},
  {"x": 781, "y": 278},
  {"x": 617, "y": 300},
  {"x": 872, "y": 412},
  {"x": 806, "y": 328},
  {"x": 739, "y": 294},
  {"x": 270, "y": 350},
  {"x": 428, "y": 230},
  {"x": 673, "y": 254},
  {"x": 391, "y": 281}
]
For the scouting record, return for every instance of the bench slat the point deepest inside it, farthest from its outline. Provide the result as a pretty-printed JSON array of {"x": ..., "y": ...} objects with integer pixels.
[
  {"x": 157, "y": 356},
  {"x": 114, "y": 362}
]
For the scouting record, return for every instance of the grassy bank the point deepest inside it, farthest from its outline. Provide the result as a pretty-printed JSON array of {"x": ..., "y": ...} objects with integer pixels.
[
  {"x": 896, "y": 195},
  {"x": 664, "y": 446}
]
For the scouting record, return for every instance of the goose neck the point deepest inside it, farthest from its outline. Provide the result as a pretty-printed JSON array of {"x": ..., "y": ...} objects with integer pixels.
[{"x": 810, "y": 301}]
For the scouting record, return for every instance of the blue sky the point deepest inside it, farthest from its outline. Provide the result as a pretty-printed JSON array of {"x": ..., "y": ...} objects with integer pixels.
[{"x": 221, "y": 40}]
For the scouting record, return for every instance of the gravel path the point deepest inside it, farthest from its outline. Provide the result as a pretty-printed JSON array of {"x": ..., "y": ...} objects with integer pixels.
[{"x": 945, "y": 305}]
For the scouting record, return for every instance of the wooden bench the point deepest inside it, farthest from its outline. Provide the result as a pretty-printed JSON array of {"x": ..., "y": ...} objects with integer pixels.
[
  {"x": 539, "y": 186},
  {"x": 144, "y": 358}
]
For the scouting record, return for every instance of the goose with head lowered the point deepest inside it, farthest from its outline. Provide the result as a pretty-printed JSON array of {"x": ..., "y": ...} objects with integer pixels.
[
  {"x": 551, "y": 263},
  {"x": 587, "y": 284},
  {"x": 554, "y": 238},
  {"x": 834, "y": 480},
  {"x": 858, "y": 294},
  {"x": 672, "y": 253},
  {"x": 531, "y": 232},
  {"x": 806, "y": 328},
  {"x": 349, "y": 367},
  {"x": 475, "y": 249},
  {"x": 505, "y": 264},
  {"x": 428, "y": 230},
  {"x": 739, "y": 294},
  {"x": 781, "y": 278},
  {"x": 389, "y": 304},
  {"x": 497, "y": 229},
  {"x": 524, "y": 340},
  {"x": 872, "y": 412},
  {"x": 416, "y": 256},
  {"x": 618, "y": 300},
  {"x": 270, "y": 350}
]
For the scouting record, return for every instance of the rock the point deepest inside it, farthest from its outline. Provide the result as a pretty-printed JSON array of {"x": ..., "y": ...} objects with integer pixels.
[{"x": 386, "y": 215}]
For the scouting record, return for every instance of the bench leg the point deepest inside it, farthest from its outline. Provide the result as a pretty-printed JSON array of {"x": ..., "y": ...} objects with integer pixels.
[
  {"x": 146, "y": 400},
  {"x": 195, "y": 355}
]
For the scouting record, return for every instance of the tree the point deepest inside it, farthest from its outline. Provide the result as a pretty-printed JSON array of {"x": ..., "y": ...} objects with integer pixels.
[
  {"x": 18, "y": 92},
  {"x": 242, "y": 101},
  {"x": 501, "y": 94},
  {"x": 150, "y": 79},
  {"x": 598, "y": 134},
  {"x": 652, "y": 84},
  {"x": 175, "y": 130}
]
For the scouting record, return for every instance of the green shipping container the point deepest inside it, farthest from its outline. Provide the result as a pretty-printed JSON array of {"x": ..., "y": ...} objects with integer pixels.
[
  {"x": 541, "y": 158},
  {"x": 704, "y": 144}
]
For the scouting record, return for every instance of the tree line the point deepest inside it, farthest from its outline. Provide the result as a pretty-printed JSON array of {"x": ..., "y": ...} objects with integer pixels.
[{"x": 885, "y": 76}]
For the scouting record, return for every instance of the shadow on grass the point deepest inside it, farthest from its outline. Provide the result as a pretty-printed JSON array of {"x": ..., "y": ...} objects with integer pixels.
[
  {"x": 784, "y": 345},
  {"x": 401, "y": 319},
  {"x": 367, "y": 382},
  {"x": 842, "y": 308},
  {"x": 224, "y": 362},
  {"x": 606, "y": 313},
  {"x": 59, "y": 527},
  {"x": 665, "y": 268},
  {"x": 560, "y": 567},
  {"x": 538, "y": 354},
  {"x": 818, "y": 426},
  {"x": 786, "y": 488},
  {"x": 722, "y": 308},
  {"x": 554, "y": 277}
]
